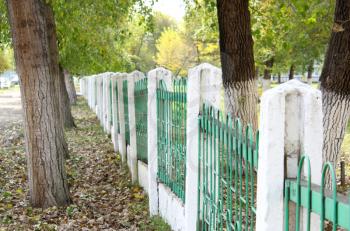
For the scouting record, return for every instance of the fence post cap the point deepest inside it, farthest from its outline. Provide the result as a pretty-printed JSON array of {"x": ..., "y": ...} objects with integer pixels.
[
  {"x": 203, "y": 66},
  {"x": 291, "y": 86},
  {"x": 136, "y": 75}
]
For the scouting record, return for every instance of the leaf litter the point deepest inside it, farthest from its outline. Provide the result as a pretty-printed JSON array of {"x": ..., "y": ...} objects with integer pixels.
[{"x": 103, "y": 196}]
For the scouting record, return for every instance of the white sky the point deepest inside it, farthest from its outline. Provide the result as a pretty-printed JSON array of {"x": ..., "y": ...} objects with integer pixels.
[{"x": 174, "y": 8}]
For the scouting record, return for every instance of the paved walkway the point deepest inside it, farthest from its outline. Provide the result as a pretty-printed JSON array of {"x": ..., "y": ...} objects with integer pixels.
[{"x": 10, "y": 107}]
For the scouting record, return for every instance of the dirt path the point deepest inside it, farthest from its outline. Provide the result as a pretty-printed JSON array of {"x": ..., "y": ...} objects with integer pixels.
[{"x": 10, "y": 107}]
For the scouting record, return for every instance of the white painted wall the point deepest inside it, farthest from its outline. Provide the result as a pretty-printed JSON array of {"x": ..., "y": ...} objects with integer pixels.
[
  {"x": 171, "y": 208},
  {"x": 142, "y": 171}
]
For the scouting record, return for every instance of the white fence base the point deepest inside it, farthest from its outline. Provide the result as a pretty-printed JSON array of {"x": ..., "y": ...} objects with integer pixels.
[
  {"x": 143, "y": 175},
  {"x": 171, "y": 208}
]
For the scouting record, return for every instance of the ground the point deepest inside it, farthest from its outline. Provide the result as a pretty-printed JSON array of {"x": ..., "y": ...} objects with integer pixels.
[
  {"x": 103, "y": 196},
  {"x": 10, "y": 106}
]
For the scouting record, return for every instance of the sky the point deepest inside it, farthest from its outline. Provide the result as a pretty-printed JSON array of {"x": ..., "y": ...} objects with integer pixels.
[{"x": 174, "y": 8}]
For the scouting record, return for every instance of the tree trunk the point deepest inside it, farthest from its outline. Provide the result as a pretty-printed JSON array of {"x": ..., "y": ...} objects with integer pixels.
[
  {"x": 291, "y": 72},
  {"x": 335, "y": 84},
  {"x": 310, "y": 70},
  {"x": 267, "y": 74},
  {"x": 70, "y": 87},
  {"x": 63, "y": 99},
  {"x": 44, "y": 136},
  {"x": 279, "y": 77},
  {"x": 237, "y": 59},
  {"x": 336, "y": 110},
  {"x": 65, "y": 109}
]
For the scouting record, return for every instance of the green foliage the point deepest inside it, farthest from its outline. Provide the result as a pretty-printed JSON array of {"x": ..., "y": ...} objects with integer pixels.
[
  {"x": 4, "y": 26},
  {"x": 173, "y": 52},
  {"x": 6, "y": 59},
  {"x": 291, "y": 32},
  {"x": 294, "y": 32},
  {"x": 91, "y": 34},
  {"x": 96, "y": 36},
  {"x": 201, "y": 28},
  {"x": 141, "y": 44}
]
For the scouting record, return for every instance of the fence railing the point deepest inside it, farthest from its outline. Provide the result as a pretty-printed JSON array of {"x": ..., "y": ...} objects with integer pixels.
[
  {"x": 227, "y": 188},
  {"x": 171, "y": 116},
  {"x": 206, "y": 171},
  {"x": 332, "y": 209},
  {"x": 126, "y": 111},
  {"x": 141, "y": 110}
]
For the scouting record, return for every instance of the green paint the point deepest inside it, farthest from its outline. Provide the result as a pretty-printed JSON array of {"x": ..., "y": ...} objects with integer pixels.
[
  {"x": 228, "y": 161},
  {"x": 312, "y": 198},
  {"x": 126, "y": 111},
  {"x": 141, "y": 100},
  {"x": 171, "y": 125}
]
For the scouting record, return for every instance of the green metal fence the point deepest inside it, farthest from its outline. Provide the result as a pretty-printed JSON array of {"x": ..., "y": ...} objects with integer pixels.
[
  {"x": 171, "y": 123},
  {"x": 126, "y": 111},
  {"x": 333, "y": 209},
  {"x": 141, "y": 100},
  {"x": 227, "y": 179}
]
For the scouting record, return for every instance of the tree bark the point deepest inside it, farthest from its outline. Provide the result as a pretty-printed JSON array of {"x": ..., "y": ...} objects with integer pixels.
[
  {"x": 310, "y": 70},
  {"x": 44, "y": 135},
  {"x": 267, "y": 74},
  {"x": 279, "y": 77},
  {"x": 335, "y": 84},
  {"x": 65, "y": 108},
  {"x": 237, "y": 59},
  {"x": 70, "y": 87},
  {"x": 63, "y": 98},
  {"x": 291, "y": 72}
]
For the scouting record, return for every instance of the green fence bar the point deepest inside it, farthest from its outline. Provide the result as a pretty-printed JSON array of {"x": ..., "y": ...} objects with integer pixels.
[
  {"x": 171, "y": 125},
  {"x": 141, "y": 100},
  {"x": 227, "y": 183},
  {"x": 126, "y": 111},
  {"x": 333, "y": 208}
]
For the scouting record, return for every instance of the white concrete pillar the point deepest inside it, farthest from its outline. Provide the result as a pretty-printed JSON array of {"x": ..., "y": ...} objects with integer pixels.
[
  {"x": 115, "y": 121},
  {"x": 204, "y": 86},
  {"x": 105, "y": 101},
  {"x": 108, "y": 122},
  {"x": 81, "y": 86},
  {"x": 93, "y": 93},
  {"x": 266, "y": 84},
  {"x": 121, "y": 136},
  {"x": 290, "y": 126},
  {"x": 87, "y": 96},
  {"x": 132, "y": 79},
  {"x": 154, "y": 76},
  {"x": 99, "y": 97}
]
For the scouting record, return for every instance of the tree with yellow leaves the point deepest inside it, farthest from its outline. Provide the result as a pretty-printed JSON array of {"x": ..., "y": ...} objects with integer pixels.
[{"x": 173, "y": 52}]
